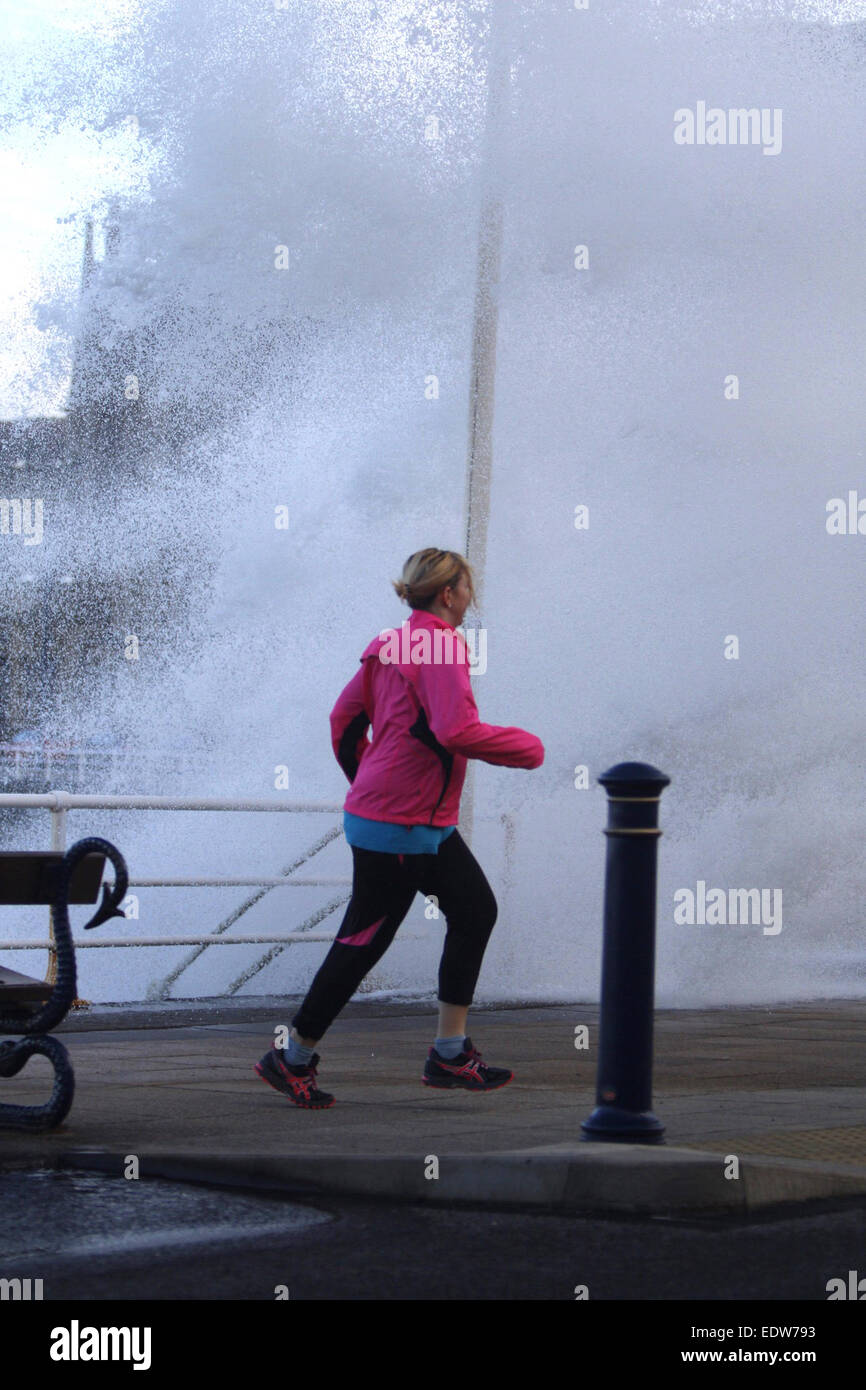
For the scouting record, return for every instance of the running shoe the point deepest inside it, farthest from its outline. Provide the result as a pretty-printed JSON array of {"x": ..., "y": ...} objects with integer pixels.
[
  {"x": 298, "y": 1083},
  {"x": 467, "y": 1070}
]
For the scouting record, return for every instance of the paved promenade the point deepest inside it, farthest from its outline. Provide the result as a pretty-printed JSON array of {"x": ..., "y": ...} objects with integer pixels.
[{"x": 782, "y": 1088}]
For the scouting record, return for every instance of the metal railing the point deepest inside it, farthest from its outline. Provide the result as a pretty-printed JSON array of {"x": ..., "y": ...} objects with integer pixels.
[{"x": 59, "y": 803}]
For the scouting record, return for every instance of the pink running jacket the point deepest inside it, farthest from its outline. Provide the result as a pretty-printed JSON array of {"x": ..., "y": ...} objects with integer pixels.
[{"x": 417, "y": 697}]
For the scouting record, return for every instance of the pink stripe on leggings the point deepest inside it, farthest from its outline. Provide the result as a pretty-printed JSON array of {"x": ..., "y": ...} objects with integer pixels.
[{"x": 362, "y": 938}]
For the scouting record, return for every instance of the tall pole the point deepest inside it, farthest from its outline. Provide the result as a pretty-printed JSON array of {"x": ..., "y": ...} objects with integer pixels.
[{"x": 479, "y": 463}]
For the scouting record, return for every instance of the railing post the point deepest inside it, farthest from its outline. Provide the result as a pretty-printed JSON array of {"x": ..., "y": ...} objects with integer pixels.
[
  {"x": 58, "y": 842},
  {"x": 624, "y": 1084},
  {"x": 58, "y": 822}
]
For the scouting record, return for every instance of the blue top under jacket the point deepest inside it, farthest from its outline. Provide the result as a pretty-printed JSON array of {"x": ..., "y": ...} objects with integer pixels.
[{"x": 388, "y": 838}]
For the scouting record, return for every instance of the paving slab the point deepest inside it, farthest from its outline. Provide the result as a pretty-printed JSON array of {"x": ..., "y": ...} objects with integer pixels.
[{"x": 782, "y": 1089}]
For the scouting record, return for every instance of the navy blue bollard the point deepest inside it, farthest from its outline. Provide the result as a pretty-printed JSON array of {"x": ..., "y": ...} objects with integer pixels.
[{"x": 624, "y": 1084}]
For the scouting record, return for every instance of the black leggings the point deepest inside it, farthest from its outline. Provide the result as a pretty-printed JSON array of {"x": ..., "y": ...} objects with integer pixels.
[{"x": 383, "y": 887}]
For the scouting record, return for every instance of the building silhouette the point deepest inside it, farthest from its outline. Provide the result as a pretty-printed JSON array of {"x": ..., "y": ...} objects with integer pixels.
[{"x": 63, "y": 622}]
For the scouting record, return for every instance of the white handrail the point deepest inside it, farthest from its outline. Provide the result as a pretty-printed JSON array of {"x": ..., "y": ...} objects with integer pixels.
[
  {"x": 59, "y": 803},
  {"x": 82, "y": 944},
  {"x": 238, "y": 882},
  {"x": 60, "y": 800}
]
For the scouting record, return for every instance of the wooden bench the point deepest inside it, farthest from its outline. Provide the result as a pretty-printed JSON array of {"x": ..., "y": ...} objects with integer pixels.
[
  {"x": 31, "y": 875},
  {"x": 22, "y": 989},
  {"x": 31, "y": 1006},
  {"x": 29, "y": 878}
]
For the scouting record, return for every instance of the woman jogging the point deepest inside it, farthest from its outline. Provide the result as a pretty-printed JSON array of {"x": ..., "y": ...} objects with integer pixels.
[{"x": 400, "y": 819}]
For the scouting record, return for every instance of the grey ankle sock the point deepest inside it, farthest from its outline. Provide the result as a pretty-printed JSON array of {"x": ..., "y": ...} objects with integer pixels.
[
  {"x": 296, "y": 1055},
  {"x": 449, "y": 1048}
]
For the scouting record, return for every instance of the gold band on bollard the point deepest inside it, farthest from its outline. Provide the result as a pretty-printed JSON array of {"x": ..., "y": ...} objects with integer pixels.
[
  {"x": 634, "y": 798},
  {"x": 635, "y": 830}
]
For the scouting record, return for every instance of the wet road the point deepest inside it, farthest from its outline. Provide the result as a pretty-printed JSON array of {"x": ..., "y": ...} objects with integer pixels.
[{"x": 92, "y": 1236}]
